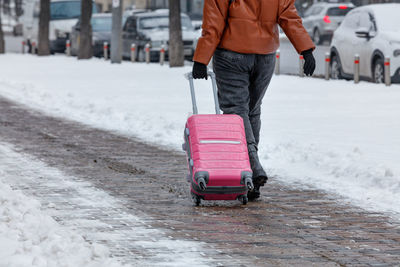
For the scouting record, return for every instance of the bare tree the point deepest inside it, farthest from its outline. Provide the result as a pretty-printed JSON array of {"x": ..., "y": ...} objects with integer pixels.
[
  {"x": 6, "y": 7},
  {"x": 18, "y": 9},
  {"x": 2, "y": 44},
  {"x": 85, "y": 33},
  {"x": 44, "y": 19},
  {"x": 175, "y": 50}
]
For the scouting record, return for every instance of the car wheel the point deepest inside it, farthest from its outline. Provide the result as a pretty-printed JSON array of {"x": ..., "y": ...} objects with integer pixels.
[
  {"x": 378, "y": 71},
  {"x": 336, "y": 68},
  {"x": 317, "y": 37}
]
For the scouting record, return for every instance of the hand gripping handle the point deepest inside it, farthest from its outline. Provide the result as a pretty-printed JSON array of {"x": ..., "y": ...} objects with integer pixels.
[{"x": 189, "y": 76}]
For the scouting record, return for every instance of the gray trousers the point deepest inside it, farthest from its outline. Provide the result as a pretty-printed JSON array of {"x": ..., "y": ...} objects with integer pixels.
[{"x": 242, "y": 81}]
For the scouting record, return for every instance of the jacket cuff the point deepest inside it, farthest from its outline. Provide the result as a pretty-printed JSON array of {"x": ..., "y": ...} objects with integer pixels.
[
  {"x": 308, "y": 51},
  {"x": 204, "y": 51}
]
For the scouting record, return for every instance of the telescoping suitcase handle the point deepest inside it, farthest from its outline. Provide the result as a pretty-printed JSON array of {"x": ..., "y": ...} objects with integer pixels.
[{"x": 189, "y": 76}]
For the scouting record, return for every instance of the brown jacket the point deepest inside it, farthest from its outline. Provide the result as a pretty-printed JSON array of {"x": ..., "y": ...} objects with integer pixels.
[{"x": 250, "y": 28}]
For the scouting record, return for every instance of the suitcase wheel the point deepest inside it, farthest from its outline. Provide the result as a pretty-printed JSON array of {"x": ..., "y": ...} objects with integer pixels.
[
  {"x": 196, "y": 199},
  {"x": 244, "y": 199}
]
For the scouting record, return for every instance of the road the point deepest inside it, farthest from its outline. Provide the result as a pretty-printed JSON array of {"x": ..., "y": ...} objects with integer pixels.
[
  {"x": 289, "y": 56},
  {"x": 286, "y": 227}
]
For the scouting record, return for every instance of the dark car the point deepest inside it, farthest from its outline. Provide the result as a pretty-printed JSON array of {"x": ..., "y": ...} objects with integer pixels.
[
  {"x": 153, "y": 28},
  {"x": 101, "y": 27}
]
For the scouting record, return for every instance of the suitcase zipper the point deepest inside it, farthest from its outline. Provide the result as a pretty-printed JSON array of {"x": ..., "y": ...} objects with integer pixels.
[{"x": 220, "y": 142}]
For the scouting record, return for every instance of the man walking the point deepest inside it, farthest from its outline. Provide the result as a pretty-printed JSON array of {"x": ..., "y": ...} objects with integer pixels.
[{"x": 242, "y": 37}]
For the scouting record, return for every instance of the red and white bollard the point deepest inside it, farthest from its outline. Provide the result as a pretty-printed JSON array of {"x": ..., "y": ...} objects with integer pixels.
[
  {"x": 133, "y": 52},
  {"x": 301, "y": 66},
  {"x": 387, "y": 71},
  {"x": 68, "y": 48},
  {"x": 162, "y": 55},
  {"x": 356, "y": 68},
  {"x": 105, "y": 50},
  {"x": 327, "y": 65},
  {"x": 147, "y": 51},
  {"x": 33, "y": 49},
  {"x": 278, "y": 62},
  {"x": 23, "y": 47}
]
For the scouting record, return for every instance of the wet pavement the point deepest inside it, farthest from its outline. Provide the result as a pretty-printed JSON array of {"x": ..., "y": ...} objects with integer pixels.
[{"x": 286, "y": 227}]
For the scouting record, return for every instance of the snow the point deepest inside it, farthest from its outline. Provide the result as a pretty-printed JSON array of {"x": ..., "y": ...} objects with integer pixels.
[
  {"x": 91, "y": 225},
  {"x": 31, "y": 237},
  {"x": 386, "y": 15},
  {"x": 332, "y": 135}
]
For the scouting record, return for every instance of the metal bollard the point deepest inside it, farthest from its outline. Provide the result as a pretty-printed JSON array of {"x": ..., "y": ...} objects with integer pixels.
[
  {"x": 105, "y": 50},
  {"x": 23, "y": 47},
  {"x": 327, "y": 65},
  {"x": 356, "y": 68},
  {"x": 278, "y": 62},
  {"x": 301, "y": 66},
  {"x": 133, "y": 52},
  {"x": 162, "y": 55},
  {"x": 68, "y": 48},
  {"x": 387, "y": 71},
  {"x": 33, "y": 49},
  {"x": 147, "y": 51}
]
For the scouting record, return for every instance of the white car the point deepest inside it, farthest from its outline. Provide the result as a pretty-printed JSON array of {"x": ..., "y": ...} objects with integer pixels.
[{"x": 372, "y": 32}]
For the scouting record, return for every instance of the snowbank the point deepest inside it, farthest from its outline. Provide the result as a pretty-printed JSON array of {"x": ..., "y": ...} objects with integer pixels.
[
  {"x": 31, "y": 237},
  {"x": 334, "y": 135},
  {"x": 91, "y": 224}
]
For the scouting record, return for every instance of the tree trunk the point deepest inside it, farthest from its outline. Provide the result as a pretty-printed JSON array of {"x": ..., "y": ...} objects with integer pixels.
[
  {"x": 18, "y": 9},
  {"x": 175, "y": 49},
  {"x": 85, "y": 43},
  {"x": 116, "y": 32},
  {"x": 2, "y": 48},
  {"x": 44, "y": 19}
]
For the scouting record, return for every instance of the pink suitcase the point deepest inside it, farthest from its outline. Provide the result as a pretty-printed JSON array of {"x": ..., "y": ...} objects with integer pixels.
[{"x": 216, "y": 149}]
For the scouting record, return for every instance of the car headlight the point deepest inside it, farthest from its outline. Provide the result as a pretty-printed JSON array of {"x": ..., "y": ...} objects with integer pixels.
[
  {"x": 397, "y": 42},
  {"x": 61, "y": 34}
]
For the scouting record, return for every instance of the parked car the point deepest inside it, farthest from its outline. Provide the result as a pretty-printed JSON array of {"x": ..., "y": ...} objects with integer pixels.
[
  {"x": 63, "y": 15},
  {"x": 101, "y": 32},
  {"x": 132, "y": 10},
  {"x": 153, "y": 28},
  {"x": 373, "y": 32},
  {"x": 322, "y": 19}
]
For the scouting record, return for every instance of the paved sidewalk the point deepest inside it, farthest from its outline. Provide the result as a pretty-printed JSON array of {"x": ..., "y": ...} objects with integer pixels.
[{"x": 286, "y": 227}]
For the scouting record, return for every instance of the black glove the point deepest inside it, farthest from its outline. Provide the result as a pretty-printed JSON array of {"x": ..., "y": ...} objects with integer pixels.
[
  {"x": 199, "y": 71},
  {"x": 309, "y": 62}
]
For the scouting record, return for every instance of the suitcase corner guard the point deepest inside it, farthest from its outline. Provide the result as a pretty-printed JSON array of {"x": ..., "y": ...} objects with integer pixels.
[
  {"x": 202, "y": 178},
  {"x": 247, "y": 179}
]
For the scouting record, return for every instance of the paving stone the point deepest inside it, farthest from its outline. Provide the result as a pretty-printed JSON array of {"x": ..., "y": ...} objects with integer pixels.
[{"x": 286, "y": 227}]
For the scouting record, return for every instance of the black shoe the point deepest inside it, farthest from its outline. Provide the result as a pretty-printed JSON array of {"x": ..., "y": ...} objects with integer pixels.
[
  {"x": 259, "y": 175},
  {"x": 259, "y": 178},
  {"x": 254, "y": 194}
]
